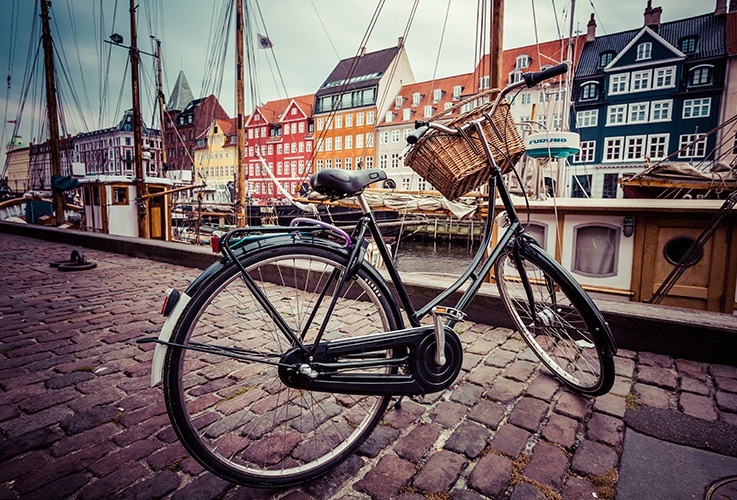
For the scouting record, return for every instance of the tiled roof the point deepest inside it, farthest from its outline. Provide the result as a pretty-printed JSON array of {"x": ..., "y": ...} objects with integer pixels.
[
  {"x": 181, "y": 95},
  {"x": 368, "y": 70},
  {"x": 544, "y": 54},
  {"x": 709, "y": 28},
  {"x": 425, "y": 89}
]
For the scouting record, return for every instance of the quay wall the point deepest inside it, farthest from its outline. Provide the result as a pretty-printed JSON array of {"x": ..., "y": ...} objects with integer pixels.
[{"x": 680, "y": 333}]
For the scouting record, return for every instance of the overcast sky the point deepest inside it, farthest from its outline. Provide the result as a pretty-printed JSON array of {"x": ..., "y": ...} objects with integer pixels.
[{"x": 309, "y": 37}]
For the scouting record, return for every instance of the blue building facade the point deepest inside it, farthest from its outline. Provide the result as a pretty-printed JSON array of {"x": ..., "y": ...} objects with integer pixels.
[{"x": 644, "y": 96}]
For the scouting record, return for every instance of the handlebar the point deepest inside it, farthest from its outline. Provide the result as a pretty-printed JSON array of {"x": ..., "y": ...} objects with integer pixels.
[{"x": 532, "y": 79}]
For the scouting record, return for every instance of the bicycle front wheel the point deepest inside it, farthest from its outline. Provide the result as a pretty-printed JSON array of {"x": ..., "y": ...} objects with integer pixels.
[
  {"x": 556, "y": 318},
  {"x": 235, "y": 416}
]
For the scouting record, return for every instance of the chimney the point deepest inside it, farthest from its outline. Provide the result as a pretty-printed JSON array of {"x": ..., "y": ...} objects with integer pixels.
[
  {"x": 652, "y": 16},
  {"x": 721, "y": 8},
  {"x": 400, "y": 40},
  {"x": 732, "y": 5},
  {"x": 591, "y": 29}
]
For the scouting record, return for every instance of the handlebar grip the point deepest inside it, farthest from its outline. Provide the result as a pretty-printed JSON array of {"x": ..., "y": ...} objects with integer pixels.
[
  {"x": 532, "y": 79},
  {"x": 417, "y": 134}
]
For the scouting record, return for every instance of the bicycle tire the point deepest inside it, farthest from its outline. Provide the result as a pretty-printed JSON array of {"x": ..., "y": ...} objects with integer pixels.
[
  {"x": 237, "y": 418},
  {"x": 566, "y": 332}
]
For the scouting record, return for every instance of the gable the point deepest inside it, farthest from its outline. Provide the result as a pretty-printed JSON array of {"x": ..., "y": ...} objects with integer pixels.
[{"x": 659, "y": 51}]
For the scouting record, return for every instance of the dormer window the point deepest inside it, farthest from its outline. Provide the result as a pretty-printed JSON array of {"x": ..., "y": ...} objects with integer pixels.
[
  {"x": 399, "y": 101},
  {"x": 644, "y": 51},
  {"x": 406, "y": 114},
  {"x": 389, "y": 116},
  {"x": 688, "y": 45},
  {"x": 416, "y": 97},
  {"x": 437, "y": 94},
  {"x": 605, "y": 58},
  {"x": 484, "y": 82},
  {"x": 515, "y": 76},
  {"x": 522, "y": 61},
  {"x": 428, "y": 111},
  {"x": 589, "y": 91},
  {"x": 457, "y": 92},
  {"x": 700, "y": 75}
]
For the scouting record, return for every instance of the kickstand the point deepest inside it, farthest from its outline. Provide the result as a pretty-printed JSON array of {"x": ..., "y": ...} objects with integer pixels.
[{"x": 398, "y": 404}]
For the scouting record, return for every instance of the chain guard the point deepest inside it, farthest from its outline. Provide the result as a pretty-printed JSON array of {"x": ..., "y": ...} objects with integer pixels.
[{"x": 411, "y": 369}]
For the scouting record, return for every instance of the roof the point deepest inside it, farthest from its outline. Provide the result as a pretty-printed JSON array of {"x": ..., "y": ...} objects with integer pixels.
[
  {"x": 368, "y": 70},
  {"x": 273, "y": 111},
  {"x": 709, "y": 28},
  {"x": 425, "y": 89},
  {"x": 181, "y": 95},
  {"x": 731, "y": 28},
  {"x": 543, "y": 54}
]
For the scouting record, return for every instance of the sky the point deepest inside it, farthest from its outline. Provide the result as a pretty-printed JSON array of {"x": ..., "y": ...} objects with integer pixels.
[{"x": 309, "y": 37}]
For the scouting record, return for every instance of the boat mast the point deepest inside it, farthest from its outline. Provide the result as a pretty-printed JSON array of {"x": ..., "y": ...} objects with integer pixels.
[
  {"x": 51, "y": 108},
  {"x": 240, "y": 206},
  {"x": 497, "y": 39},
  {"x": 137, "y": 136},
  {"x": 566, "y": 104},
  {"x": 160, "y": 99}
]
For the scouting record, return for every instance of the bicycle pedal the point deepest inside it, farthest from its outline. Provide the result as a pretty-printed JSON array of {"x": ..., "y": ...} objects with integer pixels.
[{"x": 448, "y": 312}]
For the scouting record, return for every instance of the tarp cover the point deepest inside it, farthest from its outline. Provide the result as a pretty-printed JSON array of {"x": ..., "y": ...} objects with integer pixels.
[{"x": 64, "y": 183}]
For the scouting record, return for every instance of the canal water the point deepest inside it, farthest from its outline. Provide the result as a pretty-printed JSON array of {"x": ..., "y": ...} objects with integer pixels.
[{"x": 425, "y": 255}]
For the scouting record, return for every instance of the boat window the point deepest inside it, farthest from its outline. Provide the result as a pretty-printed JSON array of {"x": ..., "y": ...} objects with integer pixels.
[
  {"x": 538, "y": 231},
  {"x": 678, "y": 247},
  {"x": 596, "y": 250}
]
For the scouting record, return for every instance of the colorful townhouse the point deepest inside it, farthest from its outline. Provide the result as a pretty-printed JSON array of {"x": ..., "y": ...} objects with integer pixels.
[
  {"x": 216, "y": 160},
  {"x": 645, "y": 95},
  {"x": 279, "y": 134},
  {"x": 350, "y": 102}
]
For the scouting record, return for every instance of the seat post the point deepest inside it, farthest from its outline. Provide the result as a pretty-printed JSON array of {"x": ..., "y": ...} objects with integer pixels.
[{"x": 365, "y": 208}]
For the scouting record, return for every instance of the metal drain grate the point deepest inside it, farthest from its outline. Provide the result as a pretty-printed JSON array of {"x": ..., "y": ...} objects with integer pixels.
[{"x": 724, "y": 489}]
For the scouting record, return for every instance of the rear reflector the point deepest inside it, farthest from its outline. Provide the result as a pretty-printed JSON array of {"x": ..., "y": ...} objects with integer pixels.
[
  {"x": 171, "y": 299},
  {"x": 215, "y": 244}
]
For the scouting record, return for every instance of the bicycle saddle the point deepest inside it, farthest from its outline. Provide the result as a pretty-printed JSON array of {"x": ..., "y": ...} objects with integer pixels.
[{"x": 337, "y": 183}]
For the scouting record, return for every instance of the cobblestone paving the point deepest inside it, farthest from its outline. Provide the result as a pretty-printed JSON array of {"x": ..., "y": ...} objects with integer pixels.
[{"x": 75, "y": 403}]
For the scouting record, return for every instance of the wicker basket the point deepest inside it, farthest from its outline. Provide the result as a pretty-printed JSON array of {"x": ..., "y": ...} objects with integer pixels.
[{"x": 455, "y": 164}]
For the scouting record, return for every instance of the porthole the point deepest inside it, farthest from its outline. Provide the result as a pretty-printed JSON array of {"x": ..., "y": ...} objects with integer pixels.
[{"x": 676, "y": 248}]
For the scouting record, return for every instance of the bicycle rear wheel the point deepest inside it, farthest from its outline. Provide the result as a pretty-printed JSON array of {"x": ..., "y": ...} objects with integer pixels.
[
  {"x": 556, "y": 318},
  {"x": 235, "y": 416}
]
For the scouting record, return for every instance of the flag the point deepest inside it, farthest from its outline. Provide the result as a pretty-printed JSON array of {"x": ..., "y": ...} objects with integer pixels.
[{"x": 264, "y": 42}]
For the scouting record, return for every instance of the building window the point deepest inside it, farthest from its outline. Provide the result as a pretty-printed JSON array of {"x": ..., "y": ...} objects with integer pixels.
[
  {"x": 589, "y": 91},
  {"x": 457, "y": 92},
  {"x": 383, "y": 161},
  {"x": 328, "y": 144},
  {"x": 613, "y": 148},
  {"x": 447, "y": 106},
  {"x": 406, "y": 183},
  {"x": 515, "y": 76},
  {"x": 406, "y": 114},
  {"x": 383, "y": 137},
  {"x": 320, "y": 124},
  {"x": 120, "y": 195},
  {"x": 389, "y": 116},
  {"x": 428, "y": 111},
  {"x": 638, "y": 112},
  {"x": 610, "y": 186},
  {"x": 522, "y": 61},
  {"x": 641, "y": 80},
  {"x": 695, "y": 108},
  {"x": 526, "y": 98},
  {"x": 348, "y": 121},
  {"x": 395, "y": 160},
  {"x": 644, "y": 51},
  {"x": 595, "y": 250},
  {"x": 657, "y": 146},
  {"x": 395, "y": 135},
  {"x": 359, "y": 119},
  {"x": 695, "y": 150},
  {"x": 369, "y": 117},
  {"x": 349, "y": 163},
  {"x": 587, "y": 149},
  {"x": 416, "y": 97},
  {"x": 339, "y": 143},
  {"x": 437, "y": 94},
  {"x": 369, "y": 162},
  {"x": 370, "y": 140},
  {"x": 616, "y": 114},
  {"x": 581, "y": 186},
  {"x": 618, "y": 84},
  {"x": 349, "y": 142},
  {"x": 398, "y": 101},
  {"x": 587, "y": 118},
  {"x": 359, "y": 141},
  {"x": 338, "y": 163},
  {"x": 635, "y": 149},
  {"x": 688, "y": 45},
  {"x": 338, "y": 122},
  {"x": 660, "y": 111},
  {"x": 605, "y": 58},
  {"x": 700, "y": 76}
]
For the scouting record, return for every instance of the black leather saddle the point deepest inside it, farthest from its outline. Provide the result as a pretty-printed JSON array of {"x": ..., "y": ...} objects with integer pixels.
[{"x": 337, "y": 183}]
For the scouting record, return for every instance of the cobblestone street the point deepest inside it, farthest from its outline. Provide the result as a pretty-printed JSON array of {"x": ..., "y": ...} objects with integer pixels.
[{"x": 76, "y": 403}]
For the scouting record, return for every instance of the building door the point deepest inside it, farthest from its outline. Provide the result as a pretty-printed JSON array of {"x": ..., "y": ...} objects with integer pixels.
[
  {"x": 157, "y": 226},
  {"x": 708, "y": 281}
]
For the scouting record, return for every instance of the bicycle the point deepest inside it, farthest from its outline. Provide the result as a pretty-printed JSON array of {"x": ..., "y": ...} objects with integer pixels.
[{"x": 280, "y": 359}]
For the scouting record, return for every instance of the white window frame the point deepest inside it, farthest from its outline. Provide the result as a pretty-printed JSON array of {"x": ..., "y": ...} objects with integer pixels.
[
  {"x": 457, "y": 92},
  {"x": 406, "y": 114},
  {"x": 437, "y": 95},
  {"x": 398, "y": 101},
  {"x": 637, "y": 112},
  {"x": 587, "y": 152},
  {"x": 641, "y": 81},
  {"x": 395, "y": 135},
  {"x": 698, "y": 150},
  {"x": 619, "y": 110},
  {"x": 664, "y": 108},
  {"x": 638, "y": 141},
  {"x": 588, "y": 118},
  {"x": 644, "y": 51},
  {"x": 702, "y": 106},
  {"x": 590, "y": 85},
  {"x": 609, "y": 142},
  {"x": 619, "y": 84},
  {"x": 662, "y": 142},
  {"x": 416, "y": 97},
  {"x": 667, "y": 74}
]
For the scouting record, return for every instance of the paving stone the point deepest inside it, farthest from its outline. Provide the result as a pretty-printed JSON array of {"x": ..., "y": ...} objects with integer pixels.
[
  {"x": 488, "y": 413},
  {"x": 384, "y": 480},
  {"x": 491, "y": 475},
  {"x": 68, "y": 379},
  {"x": 593, "y": 459},
  {"x": 526, "y": 491},
  {"x": 691, "y": 369},
  {"x": 381, "y": 437},
  {"x": 466, "y": 394},
  {"x": 470, "y": 360},
  {"x": 13, "y": 469},
  {"x": 698, "y": 406},
  {"x": 89, "y": 419},
  {"x": 624, "y": 367},
  {"x": 561, "y": 430},
  {"x": 333, "y": 481},
  {"x": 27, "y": 423},
  {"x": 548, "y": 465},
  {"x": 730, "y": 418},
  {"x": 726, "y": 384},
  {"x": 661, "y": 377},
  {"x": 605, "y": 429},
  {"x": 520, "y": 370},
  {"x": 157, "y": 486},
  {"x": 723, "y": 371},
  {"x": 459, "y": 494},
  {"x": 651, "y": 359},
  {"x": 403, "y": 417},
  {"x": 543, "y": 387},
  {"x": 447, "y": 414},
  {"x": 61, "y": 488},
  {"x": 482, "y": 346},
  {"x": 577, "y": 488},
  {"x": 505, "y": 390},
  {"x": 440, "y": 472},
  {"x": 652, "y": 396},
  {"x": 33, "y": 440},
  {"x": 528, "y": 413},
  {"x": 727, "y": 401},
  {"x": 510, "y": 440},
  {"x": 484, "y": 375},
  {"x": 500, "y": 358},
  {"x": 621, "y": 386},
  {"x": 414, "y": 445},
  {"x": 695, "y": 386},
  {"x": 469, "y": 439},
  {"x": 611, "y": 404},
  {"x": 572, "y": 405}
]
